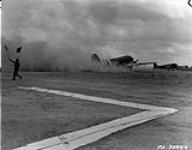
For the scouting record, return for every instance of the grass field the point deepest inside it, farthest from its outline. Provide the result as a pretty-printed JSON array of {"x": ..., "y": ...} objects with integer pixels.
[{"x": 28, "y": 116}]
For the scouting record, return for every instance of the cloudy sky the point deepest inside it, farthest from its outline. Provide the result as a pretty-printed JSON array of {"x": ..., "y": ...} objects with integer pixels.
[{"x": 147, "y": 29}]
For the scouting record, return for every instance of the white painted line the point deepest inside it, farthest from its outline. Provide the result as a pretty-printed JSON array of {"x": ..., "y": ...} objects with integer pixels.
[
  {"x": 97, "y": 99},
  {"x": 79, "y": 138}
]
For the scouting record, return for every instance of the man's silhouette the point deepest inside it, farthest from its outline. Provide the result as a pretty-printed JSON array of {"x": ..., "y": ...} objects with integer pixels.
[{"x": 16, "y": 68}]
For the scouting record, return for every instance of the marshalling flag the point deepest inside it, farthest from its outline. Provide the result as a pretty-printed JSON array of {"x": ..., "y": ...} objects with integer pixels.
[
  {"x": 19, "y": 49},
  {"x": 6, "y": 48},
  {"x": 189, "y": 2}
]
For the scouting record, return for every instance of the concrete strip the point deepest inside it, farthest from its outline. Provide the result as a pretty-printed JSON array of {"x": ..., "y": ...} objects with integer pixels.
[
  {"x": 97, "y": 99},
  {"x": 79, "y": 138}
]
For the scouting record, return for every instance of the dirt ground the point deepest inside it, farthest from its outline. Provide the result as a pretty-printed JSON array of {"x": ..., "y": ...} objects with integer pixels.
[{"x": 28, "y": 116}]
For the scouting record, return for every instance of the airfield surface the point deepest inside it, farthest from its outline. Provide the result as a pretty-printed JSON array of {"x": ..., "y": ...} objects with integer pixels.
[{"x": 29, "y": 116}]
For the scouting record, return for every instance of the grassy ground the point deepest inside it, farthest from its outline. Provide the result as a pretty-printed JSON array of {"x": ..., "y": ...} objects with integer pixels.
[
  {"x": 40, "y": 115},
  {"x": 29, "y": 116}
]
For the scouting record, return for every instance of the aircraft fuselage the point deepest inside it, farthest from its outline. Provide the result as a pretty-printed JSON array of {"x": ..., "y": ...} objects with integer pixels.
[
  {"x": 172, "y": 66},
  {"x": 123, "y": 60}
]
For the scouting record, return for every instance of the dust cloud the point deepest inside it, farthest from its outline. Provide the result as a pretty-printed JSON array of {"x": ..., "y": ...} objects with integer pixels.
[{"x": 56, "y": 36}]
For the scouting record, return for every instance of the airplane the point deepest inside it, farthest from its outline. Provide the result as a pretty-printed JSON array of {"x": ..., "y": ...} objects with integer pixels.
[
  {"x": 126, "y": 61},
  {"x": 183, "y": 68},
  {"x": 172, "y": 66}
]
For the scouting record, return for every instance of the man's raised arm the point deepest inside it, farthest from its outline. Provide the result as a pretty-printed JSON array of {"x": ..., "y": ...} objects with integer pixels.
[{"x": 11, "y": 60}]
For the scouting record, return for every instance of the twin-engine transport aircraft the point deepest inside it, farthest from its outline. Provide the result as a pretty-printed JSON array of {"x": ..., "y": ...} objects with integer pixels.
[
  {"x": 172, "y": 66},
  {"x": 126, "y": 61}
]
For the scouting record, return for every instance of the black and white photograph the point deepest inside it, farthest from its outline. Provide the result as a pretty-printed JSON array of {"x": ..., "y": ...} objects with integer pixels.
[{"x": 96, "y": 74}]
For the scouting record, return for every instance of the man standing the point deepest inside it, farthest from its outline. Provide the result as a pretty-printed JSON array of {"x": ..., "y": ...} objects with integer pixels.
[
  {"x": 16, "y": 63},
  {"x": 16, "y": 68}
]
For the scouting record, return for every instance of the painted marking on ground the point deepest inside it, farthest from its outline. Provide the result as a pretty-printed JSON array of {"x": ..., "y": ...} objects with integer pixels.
[{"x": 73, "y": 140}]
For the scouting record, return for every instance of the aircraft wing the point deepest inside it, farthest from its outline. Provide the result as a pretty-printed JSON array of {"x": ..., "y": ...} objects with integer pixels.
[
  {"x": 139, "y": 64},
  {"x": 144, "y": 63}
]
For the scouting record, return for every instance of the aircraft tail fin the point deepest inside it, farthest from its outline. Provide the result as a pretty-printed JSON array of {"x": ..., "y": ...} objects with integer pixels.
[
  {"x": 95, "y": 57},
  {"x": 155, "y": 65}
]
